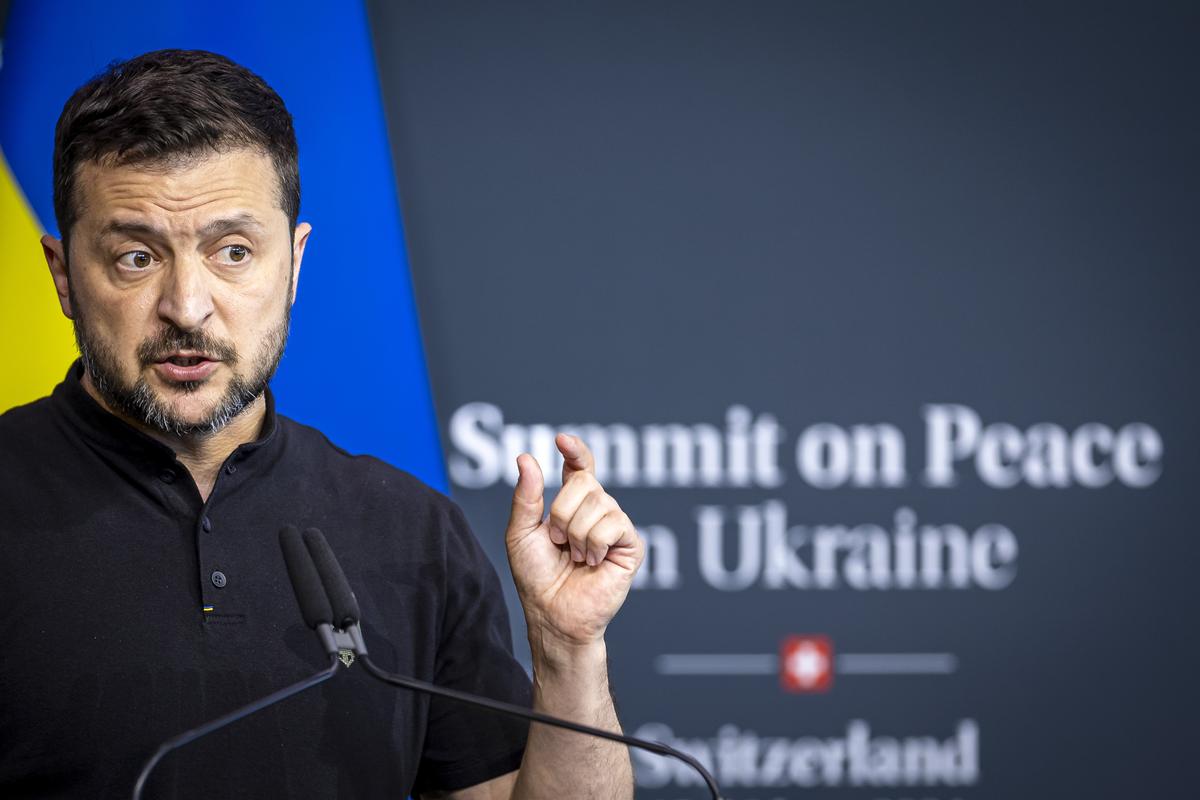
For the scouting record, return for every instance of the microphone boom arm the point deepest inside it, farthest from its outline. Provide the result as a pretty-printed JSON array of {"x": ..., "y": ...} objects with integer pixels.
[{"x": 534, "y": 716}]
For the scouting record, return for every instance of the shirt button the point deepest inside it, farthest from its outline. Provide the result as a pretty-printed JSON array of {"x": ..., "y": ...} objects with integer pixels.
[
  {"x": 230, "y": 469},
  {"x": 167, "y": 476},
  {"x": 218, "y": 579},
  {"x": 206, "y": 524}
]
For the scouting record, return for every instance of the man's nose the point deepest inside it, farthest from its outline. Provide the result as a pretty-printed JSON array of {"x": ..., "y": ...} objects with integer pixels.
[{"x": 186, "y": 298}]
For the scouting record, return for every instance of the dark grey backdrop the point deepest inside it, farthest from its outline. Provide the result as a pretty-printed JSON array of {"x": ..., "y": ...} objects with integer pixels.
[{"x": 840, "y": 212}]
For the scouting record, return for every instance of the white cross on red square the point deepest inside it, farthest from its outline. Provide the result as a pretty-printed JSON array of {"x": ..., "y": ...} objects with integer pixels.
[{"x": 806, "y": 663}]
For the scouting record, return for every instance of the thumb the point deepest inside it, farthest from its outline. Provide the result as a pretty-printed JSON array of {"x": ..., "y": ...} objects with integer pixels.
[{"x": 527, "y": 503}]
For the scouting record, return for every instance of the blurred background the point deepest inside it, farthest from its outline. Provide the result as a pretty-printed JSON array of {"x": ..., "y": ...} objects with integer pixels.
[{"x": 880, "y": 318}]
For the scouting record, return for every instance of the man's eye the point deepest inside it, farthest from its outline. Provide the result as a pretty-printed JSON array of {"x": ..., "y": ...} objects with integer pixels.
[
  {"x": 136, "y": 259},
  {"x": 234, "y": 254}
]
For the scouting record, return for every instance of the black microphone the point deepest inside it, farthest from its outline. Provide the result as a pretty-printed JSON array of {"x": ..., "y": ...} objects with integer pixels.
[
  {"x": 314, "y": 595},
  {"x": 341, "y": 599},
  {"x": 345, "y": 608},
  {"x": 306, "y": 583},
  {"x": 314, "y": 606}
]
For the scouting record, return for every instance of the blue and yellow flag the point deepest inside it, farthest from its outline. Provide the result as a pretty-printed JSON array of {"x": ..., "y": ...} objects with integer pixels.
[{"x": 354, "y": 366}]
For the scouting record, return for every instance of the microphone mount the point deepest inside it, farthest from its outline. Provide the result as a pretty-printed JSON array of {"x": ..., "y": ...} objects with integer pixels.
[{"x": 344, "y": 644}]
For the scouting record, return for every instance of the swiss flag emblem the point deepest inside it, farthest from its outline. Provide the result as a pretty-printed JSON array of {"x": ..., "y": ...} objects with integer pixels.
[{"x": 806, "y": 663}]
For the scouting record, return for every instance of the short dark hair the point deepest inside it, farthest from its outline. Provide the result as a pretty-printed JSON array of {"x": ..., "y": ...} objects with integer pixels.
[{"x": 172, "y": 105}]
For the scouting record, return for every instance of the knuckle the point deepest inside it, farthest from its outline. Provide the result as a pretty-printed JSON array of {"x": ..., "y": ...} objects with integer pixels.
[
  {"x": 608, "y": 535},
  {"x": 625, "y": 525},
  {"x": 578, "y": 526},
  {"x": 584, "y": 480},
  {"x": 524, "y": 502},
  {"x": 592, "y": 502},
  {"x": 557, "y": 517},
  {"x": 585, "y": 516}
]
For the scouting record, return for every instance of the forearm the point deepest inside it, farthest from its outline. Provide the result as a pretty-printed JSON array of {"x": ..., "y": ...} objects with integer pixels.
[{"x": 573, "y": 683}]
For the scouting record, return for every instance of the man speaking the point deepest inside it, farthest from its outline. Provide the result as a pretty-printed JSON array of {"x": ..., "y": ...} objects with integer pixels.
[{"x": 143, "y": 591}]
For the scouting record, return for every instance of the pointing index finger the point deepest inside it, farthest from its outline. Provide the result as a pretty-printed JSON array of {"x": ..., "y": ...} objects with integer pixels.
[{"x": 576, "y": 455}]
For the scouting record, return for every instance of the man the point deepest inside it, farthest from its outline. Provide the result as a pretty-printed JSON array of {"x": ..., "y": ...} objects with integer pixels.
[{"x": 143, "y": 589}]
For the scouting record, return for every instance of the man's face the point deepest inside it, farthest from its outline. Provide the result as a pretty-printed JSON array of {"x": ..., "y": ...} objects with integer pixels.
[{"x": 180, "y": 284}]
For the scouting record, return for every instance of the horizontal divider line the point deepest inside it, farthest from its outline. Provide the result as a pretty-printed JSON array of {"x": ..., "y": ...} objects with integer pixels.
[
  {"x": 768, "y": 664},
  {"x": 897, "y": 663},
  {"x": 718, "y": 664}
]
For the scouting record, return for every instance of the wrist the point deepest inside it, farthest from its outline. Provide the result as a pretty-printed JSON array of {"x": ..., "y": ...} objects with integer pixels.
[{"x": 557, "y": 656}]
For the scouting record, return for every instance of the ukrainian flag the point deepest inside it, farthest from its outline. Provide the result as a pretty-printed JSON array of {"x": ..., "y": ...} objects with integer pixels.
[{"x": 354, "y": 366}]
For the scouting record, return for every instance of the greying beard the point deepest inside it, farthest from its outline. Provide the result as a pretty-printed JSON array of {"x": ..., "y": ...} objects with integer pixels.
[{"x": 140, "y": 402}]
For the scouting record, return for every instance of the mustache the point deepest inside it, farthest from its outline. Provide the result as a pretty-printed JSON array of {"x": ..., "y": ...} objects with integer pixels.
[{"x": 171, "y": 340}]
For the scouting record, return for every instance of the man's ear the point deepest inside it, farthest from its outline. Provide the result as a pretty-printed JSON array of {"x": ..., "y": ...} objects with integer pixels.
[
  {"x": 56, "y": 260},
  {"x": 299, "y": 240}
]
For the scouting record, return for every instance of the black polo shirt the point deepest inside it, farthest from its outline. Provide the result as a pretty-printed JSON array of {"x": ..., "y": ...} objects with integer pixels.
[{"x": 131, "y": 610}]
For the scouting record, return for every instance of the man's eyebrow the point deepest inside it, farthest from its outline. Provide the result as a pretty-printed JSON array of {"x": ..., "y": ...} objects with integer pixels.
[
  {"x": 238, "y": 222},
  {"x": 134, "y": 230},
  {"x": 210, "y": 230}
]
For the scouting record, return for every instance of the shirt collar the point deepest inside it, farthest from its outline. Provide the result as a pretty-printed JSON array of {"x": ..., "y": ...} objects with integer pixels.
[{"x": 110, "y": 431}]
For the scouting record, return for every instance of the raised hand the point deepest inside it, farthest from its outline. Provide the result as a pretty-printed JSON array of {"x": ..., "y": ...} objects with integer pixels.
[{"x": 573, "y": 568}]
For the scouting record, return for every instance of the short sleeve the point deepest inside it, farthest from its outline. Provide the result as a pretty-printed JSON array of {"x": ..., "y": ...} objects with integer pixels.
[{"x": 465, "y": 746}]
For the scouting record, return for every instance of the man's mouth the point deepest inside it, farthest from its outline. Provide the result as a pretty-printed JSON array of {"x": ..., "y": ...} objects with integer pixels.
[
  {"x": 186, "y": 367},
  {"x": 186, "y": 361}
]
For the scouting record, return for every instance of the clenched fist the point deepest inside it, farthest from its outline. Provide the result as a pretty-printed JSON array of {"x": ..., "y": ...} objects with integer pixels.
[{"x": 572, "y": 568}]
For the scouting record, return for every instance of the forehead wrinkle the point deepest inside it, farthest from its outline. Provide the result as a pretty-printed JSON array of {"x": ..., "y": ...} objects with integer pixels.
[
  {"x": 132, "y": 228},
  {"x": 180, "y": 202},
  {"x": 185, "y": 188}
]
